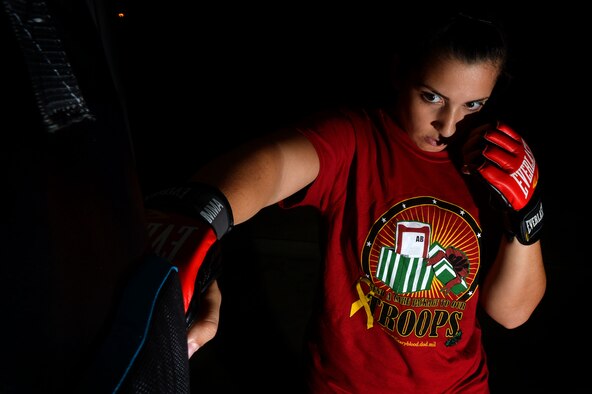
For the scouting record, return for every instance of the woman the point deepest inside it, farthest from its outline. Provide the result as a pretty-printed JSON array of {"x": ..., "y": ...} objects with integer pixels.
[{"x": 413, "y": 237}]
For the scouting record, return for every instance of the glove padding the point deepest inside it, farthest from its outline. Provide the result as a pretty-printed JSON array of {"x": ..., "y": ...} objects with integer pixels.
[{"x": 506, "y": 163}]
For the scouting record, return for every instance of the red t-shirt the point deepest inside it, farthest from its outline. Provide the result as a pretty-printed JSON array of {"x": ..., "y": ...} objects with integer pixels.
[{"x": 398, "y": 312}]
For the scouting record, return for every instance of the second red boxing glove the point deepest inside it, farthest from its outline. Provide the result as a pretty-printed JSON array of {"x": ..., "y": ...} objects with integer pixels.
[{"x": 503, "y": 159}]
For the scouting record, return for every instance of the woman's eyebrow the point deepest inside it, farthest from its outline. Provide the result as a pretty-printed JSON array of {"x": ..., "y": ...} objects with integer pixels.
[{"x": 447, "y": 98}]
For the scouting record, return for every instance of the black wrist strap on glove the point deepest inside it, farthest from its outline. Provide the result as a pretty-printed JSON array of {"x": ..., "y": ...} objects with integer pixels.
[
  {"x": 527, "y": 223},
  {"x": 197, "y": 200}
]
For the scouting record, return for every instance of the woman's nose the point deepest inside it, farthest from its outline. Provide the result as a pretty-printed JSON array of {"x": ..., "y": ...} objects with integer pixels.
[{"x": 446, "y": 122}]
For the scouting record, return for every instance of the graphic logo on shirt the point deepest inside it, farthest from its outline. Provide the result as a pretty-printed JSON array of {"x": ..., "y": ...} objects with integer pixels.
[
  {"x": 423, "y": 253},
  {"x": 414, "y": 263}
]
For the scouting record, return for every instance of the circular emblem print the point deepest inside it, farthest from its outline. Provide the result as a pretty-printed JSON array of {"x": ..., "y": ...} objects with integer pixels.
[{"x": 423, "y": 247}]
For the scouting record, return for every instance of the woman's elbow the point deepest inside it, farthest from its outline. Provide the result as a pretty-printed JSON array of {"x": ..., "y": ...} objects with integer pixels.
[{"x": 514, "y": 316}]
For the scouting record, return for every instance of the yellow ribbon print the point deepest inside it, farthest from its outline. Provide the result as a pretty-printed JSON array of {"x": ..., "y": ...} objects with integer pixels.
[{"x": 363, "y": 302}]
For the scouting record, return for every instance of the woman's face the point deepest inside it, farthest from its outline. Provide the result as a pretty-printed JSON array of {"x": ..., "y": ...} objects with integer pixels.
[{"x": 431, "y": 105}]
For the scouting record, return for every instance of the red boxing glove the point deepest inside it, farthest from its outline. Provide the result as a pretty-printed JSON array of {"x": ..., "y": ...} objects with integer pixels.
[
  {"x": 184, "y": 226},
  {"x": 503, "y": 159},
  {"x": 184, "y": 242},
  {"x": 510, "y": 167}
]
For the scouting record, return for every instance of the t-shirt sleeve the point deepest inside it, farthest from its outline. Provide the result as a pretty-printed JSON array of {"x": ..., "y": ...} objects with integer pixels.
[{"x": 332, "y": 134}]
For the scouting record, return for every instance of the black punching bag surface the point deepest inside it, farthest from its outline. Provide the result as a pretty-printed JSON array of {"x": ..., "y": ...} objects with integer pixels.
[{"x": 73, "y": 227}]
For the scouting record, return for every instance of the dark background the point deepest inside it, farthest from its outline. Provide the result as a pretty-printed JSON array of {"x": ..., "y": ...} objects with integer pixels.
[{"x": 200, "y": 82}]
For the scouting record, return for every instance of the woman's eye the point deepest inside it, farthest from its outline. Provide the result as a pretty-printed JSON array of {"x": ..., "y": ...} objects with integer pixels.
[
  {"x": 475, "y": 105},
  {"x": 431, "y": 97}
]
